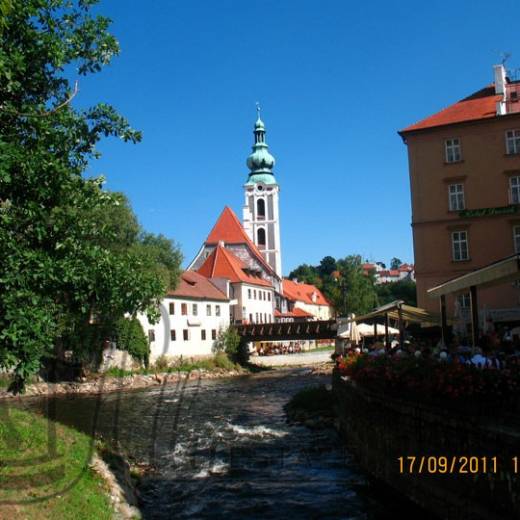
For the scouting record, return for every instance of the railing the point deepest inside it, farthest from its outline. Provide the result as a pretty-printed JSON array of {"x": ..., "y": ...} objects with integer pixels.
[{"x": 289, "y": 331}]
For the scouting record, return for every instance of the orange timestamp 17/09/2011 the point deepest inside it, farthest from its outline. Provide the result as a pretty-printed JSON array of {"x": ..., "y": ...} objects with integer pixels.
[{"x": 453, "y": 464}]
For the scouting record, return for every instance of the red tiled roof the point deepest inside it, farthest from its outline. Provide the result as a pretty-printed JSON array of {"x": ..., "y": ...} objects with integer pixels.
[
  {"x": 368, "y": 267},
  {"x": 195, "y": 285},
  {"x": 480, "y": 105},
  {"x": 229, "y": 230},
  {"x": 303, "y": 292},
  {"x": 296, "y": 313},
  {"x": 300, "y": 313},
  {"x": 391, "y": 272},
  {"x": 222, "y": 263}
]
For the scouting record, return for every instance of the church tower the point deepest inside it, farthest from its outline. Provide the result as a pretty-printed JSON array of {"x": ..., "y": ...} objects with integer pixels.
[{"x": 261, "y": 218}]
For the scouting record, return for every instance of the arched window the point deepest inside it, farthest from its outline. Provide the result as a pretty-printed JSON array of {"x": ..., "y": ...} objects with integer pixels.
[
  {"x": 260, "y": 208},
  {"x": 261, "y": 237}
]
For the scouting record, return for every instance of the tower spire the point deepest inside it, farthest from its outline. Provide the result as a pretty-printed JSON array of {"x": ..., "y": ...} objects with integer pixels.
[
  {"x": 261, "y": 213},
  {"x": 260, "y": 161}
]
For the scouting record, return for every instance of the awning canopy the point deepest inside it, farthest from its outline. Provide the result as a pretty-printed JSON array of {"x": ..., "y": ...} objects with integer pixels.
[
  {"x": 364, "y": 329},
  {"x": 407, "y": 312},
  {"x": 503, "y": 271}
]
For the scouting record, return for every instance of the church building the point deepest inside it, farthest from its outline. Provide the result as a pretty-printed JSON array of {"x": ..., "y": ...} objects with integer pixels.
[
  {"x": 236, "y": 276},
  {"x": 249, "y": 255}
]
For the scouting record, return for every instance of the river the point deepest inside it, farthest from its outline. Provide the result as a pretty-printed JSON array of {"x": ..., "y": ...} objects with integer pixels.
[{"x": 223, "y": 449}]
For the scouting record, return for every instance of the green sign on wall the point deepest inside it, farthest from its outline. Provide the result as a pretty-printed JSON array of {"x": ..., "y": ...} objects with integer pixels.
[{"x": 488, "y": 212}]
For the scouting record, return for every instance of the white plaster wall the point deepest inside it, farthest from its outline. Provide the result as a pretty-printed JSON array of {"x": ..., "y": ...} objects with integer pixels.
[
  {"x": 254, "y": 306},
  {"x": 322, "y": 312},
  {"x": 194, "y": 346}
]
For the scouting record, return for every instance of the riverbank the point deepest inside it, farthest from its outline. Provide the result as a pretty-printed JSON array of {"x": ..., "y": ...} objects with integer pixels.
[
  {"x": 133, "y": 381},
  {"x": 46, "y": 471}
]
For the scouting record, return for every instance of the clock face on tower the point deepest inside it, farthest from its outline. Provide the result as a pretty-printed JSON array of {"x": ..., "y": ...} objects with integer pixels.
[{"x": 259, "y": 187}]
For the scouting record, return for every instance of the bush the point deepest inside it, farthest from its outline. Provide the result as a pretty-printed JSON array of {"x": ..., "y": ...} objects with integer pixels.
[
  {"x": 161, "y": 364},
  {"x": 130, "y": 336},
  {"x": 228, "y": 342},
  {"x": 221, "y": 360}
]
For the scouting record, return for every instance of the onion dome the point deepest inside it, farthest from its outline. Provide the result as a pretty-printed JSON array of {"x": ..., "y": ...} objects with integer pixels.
[{"x": 260, "y": 162}]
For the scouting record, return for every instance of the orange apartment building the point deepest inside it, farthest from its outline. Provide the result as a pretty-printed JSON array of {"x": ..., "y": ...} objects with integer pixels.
[{"x": 464, "y": 164}]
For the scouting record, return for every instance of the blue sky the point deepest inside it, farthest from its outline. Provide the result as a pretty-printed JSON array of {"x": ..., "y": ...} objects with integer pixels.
[{"x": 335, "y": 79}]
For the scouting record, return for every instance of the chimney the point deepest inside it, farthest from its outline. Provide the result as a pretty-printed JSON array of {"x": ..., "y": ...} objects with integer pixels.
[
  {"x": 500, "y": 79},
  {"x": 500, "y": 88}
]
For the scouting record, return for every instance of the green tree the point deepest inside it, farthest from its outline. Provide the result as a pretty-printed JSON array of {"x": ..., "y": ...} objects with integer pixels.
[
  {"x": 395, "y": 263},
  {"x": 357, "y": 294},
  {"x": 327, "y": 266},
  {"x": 129, "y": 335},
  {"x": 59, "y": 271},
  {"x": 402, "y": 290},
  {"x": 228, "y": 341},
  {"x": 306, "y": 273}
]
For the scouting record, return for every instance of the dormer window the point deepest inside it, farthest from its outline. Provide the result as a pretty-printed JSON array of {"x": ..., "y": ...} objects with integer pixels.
[{"x": 452, "y": 150}]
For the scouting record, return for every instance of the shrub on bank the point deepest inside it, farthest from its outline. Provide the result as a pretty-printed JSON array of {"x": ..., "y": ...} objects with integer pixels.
[
  {"x": 164, "y": 364},
  {"x": 429, "y": 379},
  {"x": 130, "y": 336}
]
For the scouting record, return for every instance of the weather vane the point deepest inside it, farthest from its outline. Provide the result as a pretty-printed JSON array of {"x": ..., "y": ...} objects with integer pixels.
[{"x": 258, "y": 109}]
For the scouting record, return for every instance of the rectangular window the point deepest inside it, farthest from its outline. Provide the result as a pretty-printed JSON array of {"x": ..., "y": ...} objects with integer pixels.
[
  {"x": 151, "y": 335},
  {"x": 249, "y": 293},
  {"x": 453, "y": 153},
  {"x": 208, "y": 310},
  {"x": 184, "y": 309},
  {"x": 459, "y": 242},
  {"x": 217, "y": 310},
  {"x": 269, "y": 296},
  {"x": 516, "y": 238},
  {"x": 195, "y": 309},
  {"x": 250, "y": 318},
  {"x": 254, "y": 294},
  {"x": 213, "y": 334},
  {"x": 456, "y": 197},
  {"x": 203, "y": 334},
  {"x": 512, "y": 142},
  {"x": 172, "y": 308},
  {"x": 173, "y": 336},
  {"x": 185, "y": 334},
  {"x": 464, "y": 301},
  {"x": 514, "y": 190}
]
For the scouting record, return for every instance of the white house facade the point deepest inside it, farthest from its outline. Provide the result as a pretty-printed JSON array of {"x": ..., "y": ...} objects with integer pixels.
[{"x": 191, "y": 318}]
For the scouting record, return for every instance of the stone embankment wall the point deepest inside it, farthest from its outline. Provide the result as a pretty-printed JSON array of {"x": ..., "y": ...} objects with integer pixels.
[
  {"x": 379, "y": 429},
  {"x": 103, "y": 384}
]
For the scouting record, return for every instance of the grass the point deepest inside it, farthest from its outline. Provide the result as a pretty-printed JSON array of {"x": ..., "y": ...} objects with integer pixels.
[
  {"x": 218, "y": 361},
  {"x": 34, "y": 481}
]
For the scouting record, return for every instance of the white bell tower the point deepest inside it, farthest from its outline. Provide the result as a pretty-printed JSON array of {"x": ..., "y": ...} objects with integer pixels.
[{"x": 261, "y": 217}]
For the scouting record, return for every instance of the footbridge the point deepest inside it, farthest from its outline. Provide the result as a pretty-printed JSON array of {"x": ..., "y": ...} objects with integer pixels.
[{"x": 305, "y": 330}]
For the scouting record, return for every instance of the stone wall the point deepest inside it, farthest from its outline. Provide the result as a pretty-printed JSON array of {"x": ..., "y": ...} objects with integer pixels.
[{"x": 378, "y": 430}]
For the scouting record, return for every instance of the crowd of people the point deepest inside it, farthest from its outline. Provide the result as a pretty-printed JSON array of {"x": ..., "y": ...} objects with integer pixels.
[
  {"x": 286, "y": 347},
  {"x": 273, "y": 349},
  {"x": 494, "y": 350}
]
